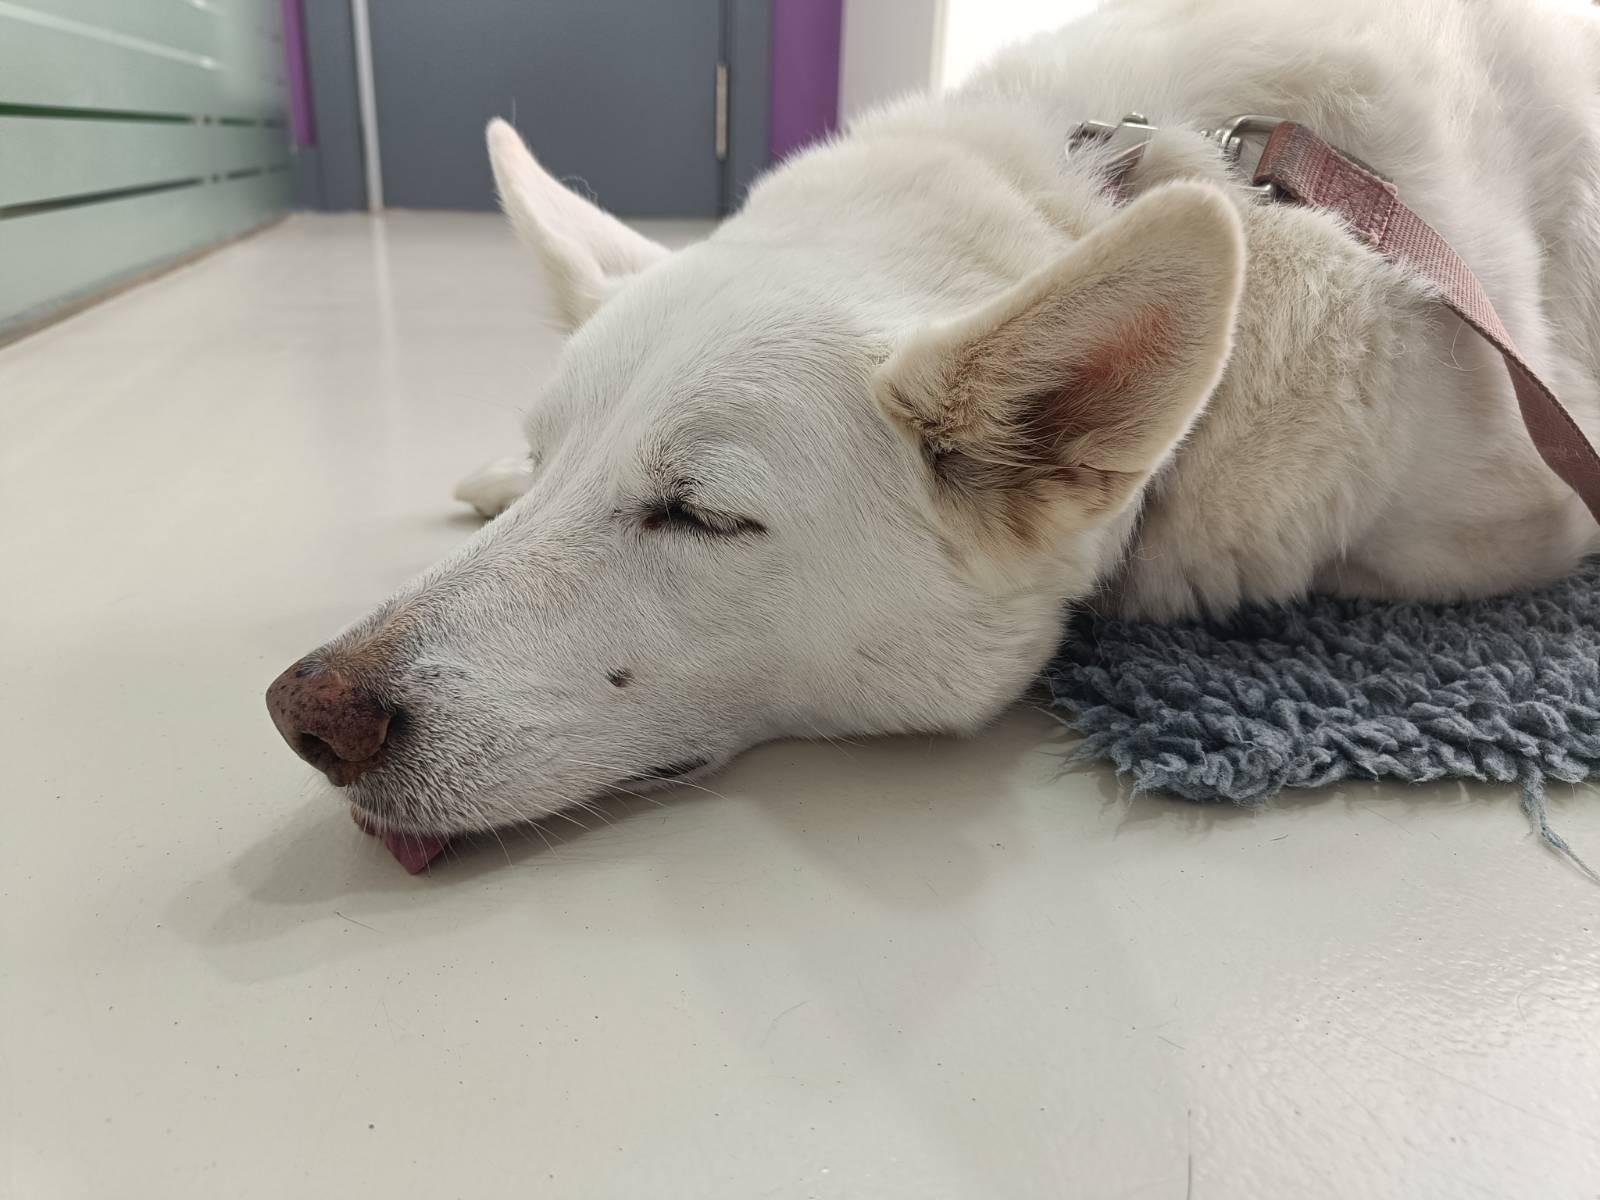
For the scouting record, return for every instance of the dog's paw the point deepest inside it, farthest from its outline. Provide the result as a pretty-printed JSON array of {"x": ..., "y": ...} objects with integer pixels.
[{"x": 494, "y": 488}]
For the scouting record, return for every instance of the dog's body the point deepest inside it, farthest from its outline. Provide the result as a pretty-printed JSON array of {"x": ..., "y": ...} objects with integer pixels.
[
  {"x": 841, "y": 468},
  {"x": 1362, "y": 442}
]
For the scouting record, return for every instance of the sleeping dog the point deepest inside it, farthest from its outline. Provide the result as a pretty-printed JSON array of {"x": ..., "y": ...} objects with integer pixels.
[{"x": 843, "y": 467}]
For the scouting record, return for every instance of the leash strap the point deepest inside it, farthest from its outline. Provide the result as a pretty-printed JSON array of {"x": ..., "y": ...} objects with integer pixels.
[{"x": 1303, "y": 167}]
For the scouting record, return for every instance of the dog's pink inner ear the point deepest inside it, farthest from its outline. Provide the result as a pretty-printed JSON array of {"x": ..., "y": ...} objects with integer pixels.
[
  {"x": 1057, "y": 399},
  {"x": 1098, "y": 406}
]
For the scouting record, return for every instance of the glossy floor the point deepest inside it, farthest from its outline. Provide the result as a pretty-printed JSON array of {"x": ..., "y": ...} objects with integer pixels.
[{"x": 919, "y": 968}]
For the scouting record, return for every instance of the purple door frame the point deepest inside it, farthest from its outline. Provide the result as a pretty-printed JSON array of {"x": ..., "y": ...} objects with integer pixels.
[
  {"x": 301, "y": 124},
  {"x": 805, "y": 74}
]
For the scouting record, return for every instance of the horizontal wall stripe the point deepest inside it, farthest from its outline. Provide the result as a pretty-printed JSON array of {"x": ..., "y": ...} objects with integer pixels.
[
  {"x": 55, "y": 112},
  {"x": 246, "y": 172},
  {"x": 14, "y": 211},
  {"x": 34, "y": 208},
  {"x": 43, "y": 159},
  {"x": 113, "y": 114}
]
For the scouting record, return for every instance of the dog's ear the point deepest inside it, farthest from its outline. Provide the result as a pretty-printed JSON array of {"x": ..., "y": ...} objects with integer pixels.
[
  {"x": 586, "y": 252},
  {"x": 1055, "y": 403}
]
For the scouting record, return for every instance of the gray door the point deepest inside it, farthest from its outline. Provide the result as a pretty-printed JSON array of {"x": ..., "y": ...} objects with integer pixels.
[{"x": 617, "y": 93}]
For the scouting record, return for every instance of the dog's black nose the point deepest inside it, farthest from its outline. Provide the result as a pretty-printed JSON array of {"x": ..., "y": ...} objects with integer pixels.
[{"x": 330, "y": 721}]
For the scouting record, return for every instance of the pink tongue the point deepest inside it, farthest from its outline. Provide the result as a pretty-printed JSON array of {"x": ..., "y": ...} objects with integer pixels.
[{"x": 413, "y": 851}]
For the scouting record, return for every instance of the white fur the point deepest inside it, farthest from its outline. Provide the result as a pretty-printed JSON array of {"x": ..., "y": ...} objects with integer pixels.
[{"x": 849, "y": 360}]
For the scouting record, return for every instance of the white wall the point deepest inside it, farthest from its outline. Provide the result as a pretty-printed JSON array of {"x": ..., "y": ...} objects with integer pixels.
[
  {"x": 975, "y": 29},
  {"x": 889, "y": 48}
]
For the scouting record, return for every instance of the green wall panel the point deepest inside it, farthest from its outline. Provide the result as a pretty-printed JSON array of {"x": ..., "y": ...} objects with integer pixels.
[
  {"x": 57, "y": 255},
  {"x": 131, "y": 132},
  {"x": 174, "y": 23}
]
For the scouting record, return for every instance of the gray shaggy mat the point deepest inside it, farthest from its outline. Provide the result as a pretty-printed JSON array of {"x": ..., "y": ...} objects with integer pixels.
[{"x": 1504, "y": 690}]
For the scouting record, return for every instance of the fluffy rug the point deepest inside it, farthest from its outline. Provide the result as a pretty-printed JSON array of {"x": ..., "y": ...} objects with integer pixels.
[{"x": 1504, "y": 690}]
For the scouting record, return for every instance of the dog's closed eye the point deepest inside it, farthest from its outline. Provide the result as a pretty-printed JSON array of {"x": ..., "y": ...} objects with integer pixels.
[{"x": 677, "y": 515}]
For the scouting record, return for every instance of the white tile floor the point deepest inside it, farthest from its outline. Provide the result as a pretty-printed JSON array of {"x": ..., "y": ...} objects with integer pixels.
[{"x": 910, "y": 969}]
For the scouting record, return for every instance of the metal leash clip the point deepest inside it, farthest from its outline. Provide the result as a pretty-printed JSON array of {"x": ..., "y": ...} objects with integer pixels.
[
  {"x": 1127, "y": 139},
  {"x": 1230, "y": 138},
  {"x": 1129, "y": 136}
]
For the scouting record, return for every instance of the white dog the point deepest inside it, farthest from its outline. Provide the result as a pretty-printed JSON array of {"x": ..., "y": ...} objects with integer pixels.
[{"x": 842, "y": 468}]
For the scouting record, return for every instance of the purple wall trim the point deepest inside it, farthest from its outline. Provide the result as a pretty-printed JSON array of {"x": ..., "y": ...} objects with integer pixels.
[
  {"x": 805, "y": 73},
  {"x": 301, "y": 127}
]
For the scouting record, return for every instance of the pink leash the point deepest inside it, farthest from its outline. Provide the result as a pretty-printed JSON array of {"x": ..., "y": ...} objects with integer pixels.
[{"x": 1300, "y": 165}]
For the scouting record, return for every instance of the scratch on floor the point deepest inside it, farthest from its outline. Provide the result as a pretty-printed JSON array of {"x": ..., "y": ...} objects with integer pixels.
[
  {"x": 773, "y": 1024},
  {"x": 1188, "y": 1136},
  {"x": 353, "y": 921},
  {"x": 1381, "y": 817},
  {"x": 383, "y": 1004},
  {"x": 1587, "y": 1134}
]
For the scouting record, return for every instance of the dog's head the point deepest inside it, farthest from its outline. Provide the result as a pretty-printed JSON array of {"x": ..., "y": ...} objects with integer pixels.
[{"x": 770, "y": 495}]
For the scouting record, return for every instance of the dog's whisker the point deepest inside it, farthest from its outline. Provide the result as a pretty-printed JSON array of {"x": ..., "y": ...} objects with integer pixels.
[{"x": 648, "y": 799}]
